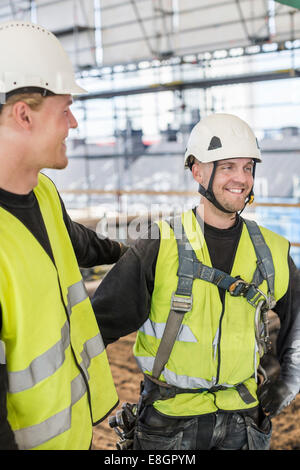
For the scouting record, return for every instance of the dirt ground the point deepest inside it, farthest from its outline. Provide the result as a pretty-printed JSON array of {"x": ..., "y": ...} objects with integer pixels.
[{"x": 286, "y": 428}]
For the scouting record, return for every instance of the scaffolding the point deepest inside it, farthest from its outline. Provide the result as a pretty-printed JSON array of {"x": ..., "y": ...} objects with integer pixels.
[{"x": 153, "y": 68}]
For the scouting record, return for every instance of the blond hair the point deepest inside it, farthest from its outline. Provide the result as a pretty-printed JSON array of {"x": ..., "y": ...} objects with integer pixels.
[{"x": 34, "y": 100}]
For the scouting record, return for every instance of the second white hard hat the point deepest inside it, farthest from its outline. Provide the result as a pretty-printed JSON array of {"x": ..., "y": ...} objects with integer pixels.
[
  {"x": 31, "y": 56},
  {"x": 221, "y": 136}
]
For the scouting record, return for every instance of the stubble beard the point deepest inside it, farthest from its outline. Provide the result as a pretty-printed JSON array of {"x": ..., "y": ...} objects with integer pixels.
[{"x": 233, "y": 207}]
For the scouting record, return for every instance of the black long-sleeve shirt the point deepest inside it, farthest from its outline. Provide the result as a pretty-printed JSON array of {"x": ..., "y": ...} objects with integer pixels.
[
  {"x": 89, "y": 250},
  {"x": 122, "y": 301}
]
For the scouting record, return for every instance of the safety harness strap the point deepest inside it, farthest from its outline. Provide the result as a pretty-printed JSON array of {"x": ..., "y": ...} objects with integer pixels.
[
  {"x": 191, "y": 268},
  {"x": 153, "y": 390},
  {"x": 167, "y": 341},
  {"x": 182, "y": 300},
  {"x": 265, "y": 266}
]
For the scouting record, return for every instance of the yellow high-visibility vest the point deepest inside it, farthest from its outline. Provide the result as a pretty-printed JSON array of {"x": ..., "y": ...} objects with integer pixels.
[
  {"x": 216, "y": 344},
  {"x": 60, "y": 382}
]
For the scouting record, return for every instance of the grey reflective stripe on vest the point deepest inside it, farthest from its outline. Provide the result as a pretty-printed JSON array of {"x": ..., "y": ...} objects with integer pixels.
[
  {"x": 46, "y": 365},
  {"x": 156, "y": 330},
  {"x": 41, "y": 367},
  {"x": 2, "y": 352},
  {"x": 91, "y": 348},
  {"x": 76, "y": 294},
  {"x": 51, "y": 360},
  {"x": 38, "y": 434},
  {"x": 145, "y": 363}
]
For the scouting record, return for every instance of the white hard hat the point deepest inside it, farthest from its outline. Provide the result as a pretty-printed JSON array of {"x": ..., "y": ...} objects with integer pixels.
[
  {"x": 221, "y": 136},
  {"x": 32, "y": 57}
]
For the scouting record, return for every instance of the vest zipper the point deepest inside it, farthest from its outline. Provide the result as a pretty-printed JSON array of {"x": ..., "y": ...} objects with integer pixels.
[
  {"x": 219, "y": 341},
  {"x": 223, "y": 308}
]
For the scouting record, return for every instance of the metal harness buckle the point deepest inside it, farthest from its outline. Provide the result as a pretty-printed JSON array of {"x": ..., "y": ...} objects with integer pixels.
[
  {"x": 262, "y": 303},
  {"x": 181, "y": 304},
  {"x": 262, "y": 336},
  {"x": 268, "y": 300},
  {"x": 239, "y": 287}
]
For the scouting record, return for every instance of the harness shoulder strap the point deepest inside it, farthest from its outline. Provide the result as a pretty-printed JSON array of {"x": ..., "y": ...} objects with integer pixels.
[
  {"x": 265, "y": 266},
  {"x": 182, "y": 300}
]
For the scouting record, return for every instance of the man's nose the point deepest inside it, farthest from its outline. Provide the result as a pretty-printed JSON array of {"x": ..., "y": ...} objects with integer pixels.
[{"x": 72, "y": 121}]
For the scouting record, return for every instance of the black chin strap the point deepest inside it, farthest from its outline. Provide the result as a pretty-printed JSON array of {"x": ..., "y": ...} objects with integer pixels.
[
  {"x": 208, "y": 193},
  {"x": 250, "y": 197}
]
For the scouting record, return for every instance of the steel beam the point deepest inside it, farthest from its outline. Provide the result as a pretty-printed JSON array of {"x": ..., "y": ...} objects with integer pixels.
[{"x": 187, "y": 85}]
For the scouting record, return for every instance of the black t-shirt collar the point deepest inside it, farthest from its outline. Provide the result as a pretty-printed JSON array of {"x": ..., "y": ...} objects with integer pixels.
[{"x": 9, "y": 199}]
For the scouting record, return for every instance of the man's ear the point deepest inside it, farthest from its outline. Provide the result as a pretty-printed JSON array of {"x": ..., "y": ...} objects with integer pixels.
[
  {"x": 22, "y": 114},
  {"x": 197, "y": 171}
]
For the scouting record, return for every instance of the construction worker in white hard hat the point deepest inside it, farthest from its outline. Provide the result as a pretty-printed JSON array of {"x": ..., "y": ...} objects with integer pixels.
[
  {"x": 238, "y": 142},
  {"x": 198, "y": 290},
  {"x": 55, "y": 380}
]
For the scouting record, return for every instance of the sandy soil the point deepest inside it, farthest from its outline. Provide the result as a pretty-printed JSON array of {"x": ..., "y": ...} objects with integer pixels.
[{"x": 286, "y": 429}]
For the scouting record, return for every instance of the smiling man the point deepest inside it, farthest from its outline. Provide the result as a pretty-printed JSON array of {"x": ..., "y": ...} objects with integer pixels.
[
  {"x": 198, "y": 293},
  {"x": 55, "y": 380},
  {"x": 233, "y": 181}
]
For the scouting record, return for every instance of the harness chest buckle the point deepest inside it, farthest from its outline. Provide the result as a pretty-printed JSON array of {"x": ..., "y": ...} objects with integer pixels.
[{"x": 239, "y": 287}]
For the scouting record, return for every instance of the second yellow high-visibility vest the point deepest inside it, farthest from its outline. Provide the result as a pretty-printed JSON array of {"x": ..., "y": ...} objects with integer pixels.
[{"x": 60, "y": 382}]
